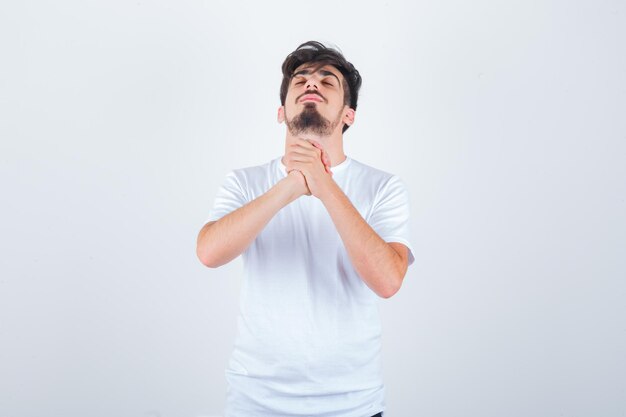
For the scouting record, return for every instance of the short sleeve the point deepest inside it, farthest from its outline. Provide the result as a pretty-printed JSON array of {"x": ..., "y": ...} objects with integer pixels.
[
  {"x": 390, "y": 215},
  {"x": 229, "y": 198}
]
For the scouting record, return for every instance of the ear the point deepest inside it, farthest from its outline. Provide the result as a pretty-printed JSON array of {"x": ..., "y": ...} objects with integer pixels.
[
  {"x": 281, "y": 114},
  {"x": 348, "y": 117}
]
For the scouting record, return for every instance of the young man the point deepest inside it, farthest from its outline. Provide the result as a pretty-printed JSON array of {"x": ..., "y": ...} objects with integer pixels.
[{"x": 323, "y": 237}]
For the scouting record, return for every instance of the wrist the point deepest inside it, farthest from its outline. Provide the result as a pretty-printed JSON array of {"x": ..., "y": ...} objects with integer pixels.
[
  {"x": 291, "y": 186},
  {"x": 329, "y": 188}
]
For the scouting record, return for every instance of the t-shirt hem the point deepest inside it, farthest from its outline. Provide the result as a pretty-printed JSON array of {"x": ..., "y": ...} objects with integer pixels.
[{"x": 405, "y": 242}]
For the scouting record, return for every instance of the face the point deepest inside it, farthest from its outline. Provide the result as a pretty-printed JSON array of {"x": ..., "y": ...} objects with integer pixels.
[{"x": 314, "y": 101}]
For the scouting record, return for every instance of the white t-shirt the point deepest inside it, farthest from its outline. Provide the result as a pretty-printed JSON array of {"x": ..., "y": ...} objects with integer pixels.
[{"x": 309, "y": 332}]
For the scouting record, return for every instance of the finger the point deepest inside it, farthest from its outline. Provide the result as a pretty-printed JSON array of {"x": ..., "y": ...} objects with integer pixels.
[
  {"x": 305, "y": 143},
  {"x": 304, "y": 154},
  {"x": 311, "y": 145},
  {"x": 294, "y": 158},
  {"x": 298, "y": 156},
  {"x": 308, "y": 142},
  {"x": 312, "y": 151},
  {"x": 315, "y": 143},
  {"x": 324, "y": 155},
  {"x": 326, "y": 160},
  {"x": 318, "y": 146}
]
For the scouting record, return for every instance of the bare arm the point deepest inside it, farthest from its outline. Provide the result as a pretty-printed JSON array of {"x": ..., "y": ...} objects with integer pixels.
[
  {"x": 222, "y": 241},
  {"x": 381, "y": 265}
]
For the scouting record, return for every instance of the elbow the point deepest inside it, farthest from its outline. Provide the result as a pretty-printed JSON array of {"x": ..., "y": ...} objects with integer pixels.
[
  {"x": 211, "y": 256},
  {"x": 388, "y": 293},
  {"x": 204, "y": 250},
  {"x": 391, "y": 289},
  {"x": 204, "y": 256},
  {"x": 394, "y": 282}
]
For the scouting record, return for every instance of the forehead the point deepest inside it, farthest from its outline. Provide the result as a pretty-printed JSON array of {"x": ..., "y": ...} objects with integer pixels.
[{"x": 324, "y": 70}]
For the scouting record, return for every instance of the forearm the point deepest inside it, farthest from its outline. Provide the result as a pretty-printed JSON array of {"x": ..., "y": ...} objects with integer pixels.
[
  {"x": 376, "y": 262},
  {"x": 220, "y": 242}
]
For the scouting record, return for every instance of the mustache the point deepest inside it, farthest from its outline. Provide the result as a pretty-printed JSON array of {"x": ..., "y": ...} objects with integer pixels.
[{"x": 310, "y": 92}]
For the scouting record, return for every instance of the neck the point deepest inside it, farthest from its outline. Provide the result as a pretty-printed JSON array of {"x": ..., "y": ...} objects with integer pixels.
[{"x": 332, "y": 144}]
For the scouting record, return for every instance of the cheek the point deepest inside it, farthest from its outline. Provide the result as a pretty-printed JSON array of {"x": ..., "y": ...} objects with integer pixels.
[
  {"x": 291, "y": 96},
  {"x": 288, "y": 109}
]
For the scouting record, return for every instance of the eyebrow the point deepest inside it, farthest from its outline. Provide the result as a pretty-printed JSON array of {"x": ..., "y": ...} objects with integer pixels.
[{"x": 323, "y": 72}]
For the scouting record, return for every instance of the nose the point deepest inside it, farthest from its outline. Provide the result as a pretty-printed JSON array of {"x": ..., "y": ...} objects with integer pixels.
[{"x": 311, "y": 83}]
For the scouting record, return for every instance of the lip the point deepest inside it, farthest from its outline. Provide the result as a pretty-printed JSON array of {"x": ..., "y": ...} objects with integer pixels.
[{"x": 311, "y": 97}]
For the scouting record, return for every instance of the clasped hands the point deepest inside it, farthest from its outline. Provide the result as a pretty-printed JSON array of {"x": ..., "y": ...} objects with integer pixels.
[{"x": 308, "y": 162}]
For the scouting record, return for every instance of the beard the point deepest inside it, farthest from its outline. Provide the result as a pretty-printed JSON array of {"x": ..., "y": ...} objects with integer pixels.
[{"x": 311, "y": 121}]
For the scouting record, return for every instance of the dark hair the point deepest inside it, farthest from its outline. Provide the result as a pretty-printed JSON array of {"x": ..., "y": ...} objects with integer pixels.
[{"x": 316, "y": 53}]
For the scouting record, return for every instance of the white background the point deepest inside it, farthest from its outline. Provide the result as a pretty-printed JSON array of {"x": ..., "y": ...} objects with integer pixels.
[{"x": 507, "y": 121}]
